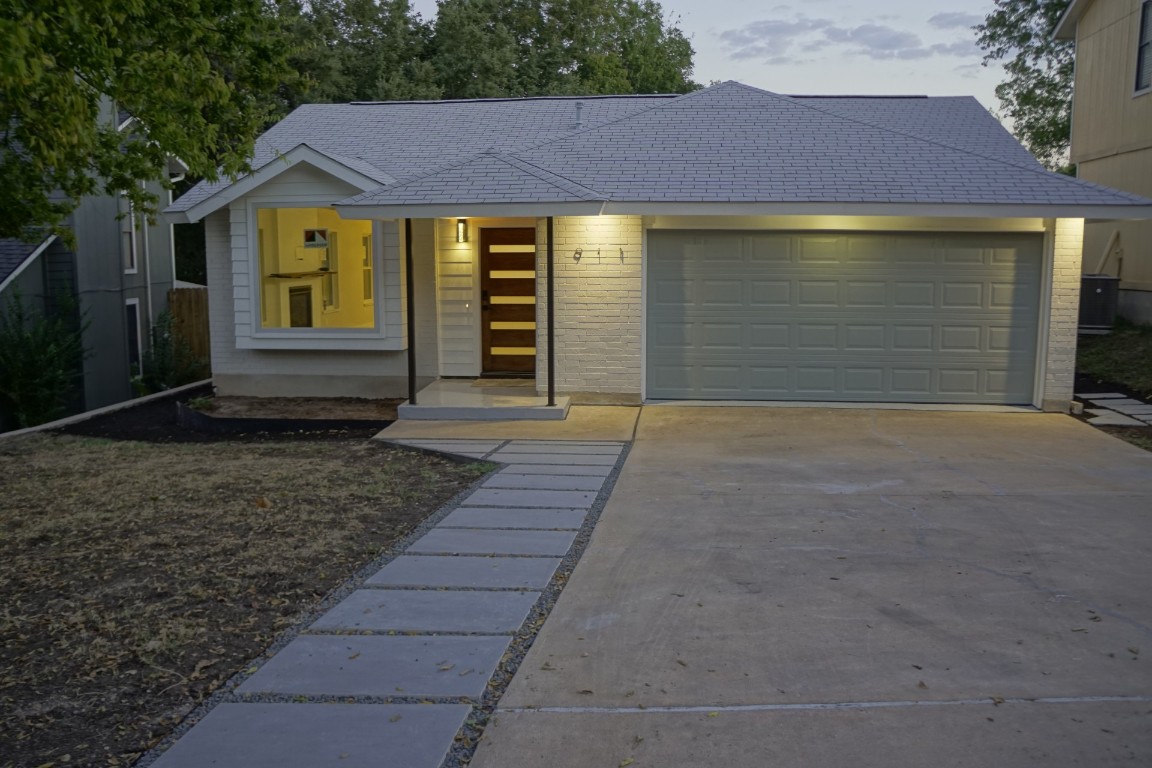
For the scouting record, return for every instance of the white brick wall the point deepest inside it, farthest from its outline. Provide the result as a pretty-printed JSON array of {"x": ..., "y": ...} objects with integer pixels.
[
  {"x": 598, "y": 304},
  {"x": 1066, "y": 237}
]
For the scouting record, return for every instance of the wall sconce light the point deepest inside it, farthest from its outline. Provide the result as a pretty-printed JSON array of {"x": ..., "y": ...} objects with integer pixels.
[
  {"x": 461, "y": 230},
  {"x": 576, "y": 256}
]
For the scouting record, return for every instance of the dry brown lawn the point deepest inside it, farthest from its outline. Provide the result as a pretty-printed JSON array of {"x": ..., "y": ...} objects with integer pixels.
[{"x": 135, "y": 578}]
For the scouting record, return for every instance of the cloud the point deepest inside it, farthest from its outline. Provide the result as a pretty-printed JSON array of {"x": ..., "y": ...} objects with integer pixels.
[
  {"x": 968, "y": 71},
  {"x": 876, "y": 41},
  {"x": 769, "y": 38},
  {"x": 777, "y": 41},
  {"x": 955, "y": 20}
]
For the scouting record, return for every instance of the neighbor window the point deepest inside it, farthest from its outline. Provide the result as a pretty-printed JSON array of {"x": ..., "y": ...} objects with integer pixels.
[
  {"x": 304, "y": 253},
  {"x": 1144, "y": 49}
]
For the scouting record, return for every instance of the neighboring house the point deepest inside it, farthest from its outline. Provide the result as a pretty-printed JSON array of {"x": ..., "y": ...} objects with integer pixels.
[
  {"x": 118, "y": 271},
  {"x": 1112, "y": 134},
  {"x": 728, "y": 244}
]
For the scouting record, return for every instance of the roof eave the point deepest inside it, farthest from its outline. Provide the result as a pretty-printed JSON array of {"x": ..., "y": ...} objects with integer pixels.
[
  {"x": 948, "y": 210},
  {"x": 470, "y": 210},
  {"x": 1066, "y": 26},
  {"x": 28, "y": 260},
  {"x": 301, "y": 153}
]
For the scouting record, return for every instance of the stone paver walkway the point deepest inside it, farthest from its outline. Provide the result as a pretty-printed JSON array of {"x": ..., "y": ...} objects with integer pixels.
[
  {"x": 390, "y": 675},
  {"x": 1113, "y": 409}
]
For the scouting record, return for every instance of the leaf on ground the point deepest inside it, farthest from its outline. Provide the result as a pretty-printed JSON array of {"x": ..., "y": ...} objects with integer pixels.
[
  {"x": 713, "y": 714},
  {"x": 262, "y": 502},
  {"x": 395, "y": 718},
  {"x": 681, "y": 662},
  {"x": 921, "y": 684},
  {"x": 626, "y": 762},
  {"x": 997, "y": 700}
]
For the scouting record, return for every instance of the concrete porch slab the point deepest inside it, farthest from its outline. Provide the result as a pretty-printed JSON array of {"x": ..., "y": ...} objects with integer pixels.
[
  {"x": 584, "y": 422},
  {"x": 451, "y": 400},
  {"x": 319, "y": 736},
  {"x": 429, "y": 611},
  {"x": 482, "y": 572},
  {"x": 342, "y": 665}
]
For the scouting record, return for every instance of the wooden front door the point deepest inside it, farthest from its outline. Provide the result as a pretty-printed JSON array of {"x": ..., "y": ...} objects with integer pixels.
[{"x": 508, "y": 301}]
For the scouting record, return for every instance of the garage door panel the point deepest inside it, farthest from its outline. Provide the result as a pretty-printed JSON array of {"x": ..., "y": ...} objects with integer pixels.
[
  {"x": 770, "y": 293},
  {"x": 866, "y": 316}
]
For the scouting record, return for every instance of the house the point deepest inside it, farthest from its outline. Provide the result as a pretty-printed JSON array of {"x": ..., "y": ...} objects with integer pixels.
[
  {"x": 1112, "y": 134},
  {"x": 118, "y": 271},
  {"x": 727, "y": 244}
]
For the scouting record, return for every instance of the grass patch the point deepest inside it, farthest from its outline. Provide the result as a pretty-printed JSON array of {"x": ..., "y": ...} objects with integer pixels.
[
  {"x": 138, "y": 577},
  {"x": 1141, "y": 437},
  {"x": 1122, "y": 357}
]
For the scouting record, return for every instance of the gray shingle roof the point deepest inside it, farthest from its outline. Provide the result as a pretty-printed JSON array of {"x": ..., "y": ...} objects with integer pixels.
[
  {"x": 730, "y": 143},
  {"x": 958, "y": 121},
  {"x": 406, "y": 139},
  {"x": 13, "y": 253},
  {"x": 735, "y": 144}
]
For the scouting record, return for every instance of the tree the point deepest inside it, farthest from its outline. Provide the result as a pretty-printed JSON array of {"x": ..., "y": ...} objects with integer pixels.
[
  {"x": 199, "y": 76},
  {"x": 535, "y": 47},
  {"x": 359, "y": 50},
  {"x": 1037, "y": 96}
]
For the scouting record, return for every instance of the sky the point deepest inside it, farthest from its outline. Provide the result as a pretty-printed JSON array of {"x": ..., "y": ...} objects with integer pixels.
[{"x": 835, "y": 46}]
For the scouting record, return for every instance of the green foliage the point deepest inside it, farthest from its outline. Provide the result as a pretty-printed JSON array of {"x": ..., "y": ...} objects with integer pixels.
[
  {"x": 202, "y": 77},
  {"x": 1037, "y": 96},
  {"x": 169, "y": 361},
  {"x": 1122, "y": 357},
  {"x": 359, "y": 50},
  {"x": 482, "y": 48},
  {"x": 40, "y": 359}
]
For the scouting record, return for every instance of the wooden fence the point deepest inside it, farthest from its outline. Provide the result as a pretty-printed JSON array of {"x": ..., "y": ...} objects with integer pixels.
[{"x": 189, "y": 308}]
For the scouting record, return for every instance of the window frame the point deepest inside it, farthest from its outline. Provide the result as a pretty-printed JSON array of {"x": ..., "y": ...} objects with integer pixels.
[
  {"x": 260, "y": 337},
  {"x": 1144, "y": 48},
  {"x": 134, "y": 333}
]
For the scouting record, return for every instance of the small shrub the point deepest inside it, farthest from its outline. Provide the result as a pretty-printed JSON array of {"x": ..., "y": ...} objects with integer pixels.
[{"x": 41, "y": 354}]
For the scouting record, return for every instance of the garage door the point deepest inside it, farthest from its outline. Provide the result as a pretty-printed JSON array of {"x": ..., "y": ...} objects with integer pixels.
[{"x": 866, "y": 317}]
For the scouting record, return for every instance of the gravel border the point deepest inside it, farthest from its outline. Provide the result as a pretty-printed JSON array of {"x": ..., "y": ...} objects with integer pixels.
[{"x": 467, "y": 739}]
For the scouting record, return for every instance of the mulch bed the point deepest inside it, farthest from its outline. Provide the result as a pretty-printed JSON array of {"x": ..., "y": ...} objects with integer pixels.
[{"x": 142, "y": 570}]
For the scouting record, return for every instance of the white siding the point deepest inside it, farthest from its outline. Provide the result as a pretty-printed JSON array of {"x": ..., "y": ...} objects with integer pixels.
[
  {"x": 303, "y": 185},
  {"x": 458, "y": 293},
  {"x": 314, "y": 367}
]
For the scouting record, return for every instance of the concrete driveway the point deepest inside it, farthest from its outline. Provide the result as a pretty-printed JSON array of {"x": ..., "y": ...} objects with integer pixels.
[{"x": 814, "y": 587}]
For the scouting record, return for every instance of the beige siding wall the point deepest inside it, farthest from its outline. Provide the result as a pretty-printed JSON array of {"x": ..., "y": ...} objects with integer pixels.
[
  {"x": 1112, "y": 141},
  {"x": 1065, "y": 239},
  {"x": 1131, "y": 171},
  {"x": 1108, "y": 118},
  {"x": 598, "y": 306}
]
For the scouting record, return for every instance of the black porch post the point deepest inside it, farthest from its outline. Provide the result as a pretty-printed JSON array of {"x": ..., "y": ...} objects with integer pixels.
[
  {"x": 409, "y": 282},
  {"x": 551, "y": 317}
]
